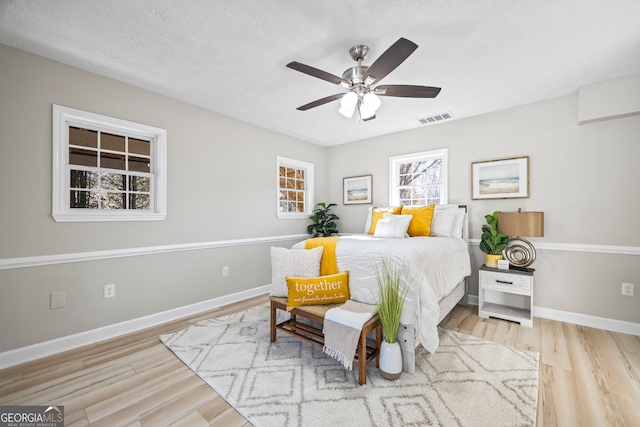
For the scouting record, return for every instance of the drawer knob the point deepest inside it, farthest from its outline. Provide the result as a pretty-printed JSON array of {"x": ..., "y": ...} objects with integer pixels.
[{"x": 504, "y": 281}]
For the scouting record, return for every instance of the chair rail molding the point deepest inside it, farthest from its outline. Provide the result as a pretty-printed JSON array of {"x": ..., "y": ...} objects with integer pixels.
[
  {"x": 579, "y": 247},
  {"x": 35, "y": 261}
]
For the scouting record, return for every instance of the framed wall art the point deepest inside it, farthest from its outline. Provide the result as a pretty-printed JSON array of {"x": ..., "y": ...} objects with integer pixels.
[
  {"x": 500, "y": 179},
  {"x": 357, "y": 190}
]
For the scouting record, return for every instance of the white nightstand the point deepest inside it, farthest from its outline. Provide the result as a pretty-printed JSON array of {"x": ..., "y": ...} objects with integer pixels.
[{"x": 506, "y": 294}]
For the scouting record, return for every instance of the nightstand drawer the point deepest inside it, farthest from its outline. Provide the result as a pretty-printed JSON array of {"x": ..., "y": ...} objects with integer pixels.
[{"x": 505, "y": 282}]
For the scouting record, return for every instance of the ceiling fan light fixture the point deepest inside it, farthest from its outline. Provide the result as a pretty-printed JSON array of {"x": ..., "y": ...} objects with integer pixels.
[
  {"x": 347, "y": 112},
  {"x": 348, "y": 104},
  {"x": 365, "y": 112},
  {"x": 371, "y": 102}
]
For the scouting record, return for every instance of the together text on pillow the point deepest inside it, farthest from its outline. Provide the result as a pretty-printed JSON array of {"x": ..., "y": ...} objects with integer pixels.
[{"x": 321, "y": 290}]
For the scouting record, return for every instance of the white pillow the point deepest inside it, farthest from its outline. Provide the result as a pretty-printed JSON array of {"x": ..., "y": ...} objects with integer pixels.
[
  {"x": 442, "y": 222},
  {"x": 392, "y": 226},
  {"x": 458, "y": 223},
  {"x": 292, "y": 262}
]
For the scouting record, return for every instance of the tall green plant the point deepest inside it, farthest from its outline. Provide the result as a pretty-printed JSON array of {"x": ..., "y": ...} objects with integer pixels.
[
  {"x": 391, "y": 297},
  {"x": 323, "y": 221},
  {"x": 492, "y": 241}
]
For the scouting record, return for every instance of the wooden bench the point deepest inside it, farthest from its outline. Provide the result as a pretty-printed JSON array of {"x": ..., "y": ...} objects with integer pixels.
[{"x": 314, "y": 335}]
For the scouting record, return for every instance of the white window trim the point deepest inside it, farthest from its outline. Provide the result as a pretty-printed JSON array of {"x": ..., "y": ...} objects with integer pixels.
[
  {"x": 62, "y": 118},
  {"x": 309, "y": 200},
  {"x": 423, "y": 155}
]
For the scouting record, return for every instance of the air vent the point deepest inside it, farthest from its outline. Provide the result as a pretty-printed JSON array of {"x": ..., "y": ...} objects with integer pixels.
[{"x": 436, "y": 118}]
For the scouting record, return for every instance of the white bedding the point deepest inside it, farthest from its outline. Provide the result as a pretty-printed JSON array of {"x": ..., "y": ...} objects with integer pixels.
[{"x": 436, "y": 263}]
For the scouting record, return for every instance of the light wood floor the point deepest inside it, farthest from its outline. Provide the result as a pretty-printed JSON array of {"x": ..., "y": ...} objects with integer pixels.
[{"x": 588, "y": 377}]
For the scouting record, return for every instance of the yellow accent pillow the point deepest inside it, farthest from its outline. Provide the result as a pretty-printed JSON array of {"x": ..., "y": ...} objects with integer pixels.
[
  {"x": 420, "y": 224},
  {"x": 318, "y": 290},
  {"x": 378, "y": 213}
]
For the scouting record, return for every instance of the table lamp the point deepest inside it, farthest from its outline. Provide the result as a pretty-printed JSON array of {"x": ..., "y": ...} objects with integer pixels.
[{"x": 520, "y": 252}]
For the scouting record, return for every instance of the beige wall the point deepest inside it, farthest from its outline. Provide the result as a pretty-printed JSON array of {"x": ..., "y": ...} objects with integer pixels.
[
  {"x": 585, "y": 178},
  {"x": 206, "y": 153}
]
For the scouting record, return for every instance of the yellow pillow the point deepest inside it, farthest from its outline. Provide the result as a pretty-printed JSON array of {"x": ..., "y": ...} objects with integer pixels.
[
  {"x": 318, "y": 290},
  {"x": 378, "y": 213},
  {"x": 420, "y": 224}
]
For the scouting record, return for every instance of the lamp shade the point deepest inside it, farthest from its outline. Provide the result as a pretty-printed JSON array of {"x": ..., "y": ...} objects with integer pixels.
[{"x": 522, "y": 224}]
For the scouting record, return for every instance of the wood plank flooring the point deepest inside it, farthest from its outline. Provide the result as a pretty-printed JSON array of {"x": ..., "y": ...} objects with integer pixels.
[{"x": 588, "y": 377}]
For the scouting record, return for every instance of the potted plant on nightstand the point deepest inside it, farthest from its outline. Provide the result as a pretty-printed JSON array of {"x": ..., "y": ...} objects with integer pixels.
[
  {"x": 391, "y": 301},
  {"x": 323, "y": 221},
  {"x": 492, "y": 242}
]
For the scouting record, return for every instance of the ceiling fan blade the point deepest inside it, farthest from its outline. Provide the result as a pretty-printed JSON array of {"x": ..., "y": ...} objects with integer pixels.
[
  {"x": 389, "y": 60},
  {"x": 407, "y": 91},
  {"x": 321, "y": 101},
  {"x": 314, "y": 72}
]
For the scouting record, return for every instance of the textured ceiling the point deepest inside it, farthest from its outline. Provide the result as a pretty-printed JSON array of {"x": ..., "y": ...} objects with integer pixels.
[{"x": 229, "y": 56}]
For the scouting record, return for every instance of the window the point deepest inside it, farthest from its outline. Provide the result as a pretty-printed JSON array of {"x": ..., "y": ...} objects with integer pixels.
[
  {"x": 418, "y": 178},
  {"x": 295, "y": 188},
  {"x": 107, "y": 169}
]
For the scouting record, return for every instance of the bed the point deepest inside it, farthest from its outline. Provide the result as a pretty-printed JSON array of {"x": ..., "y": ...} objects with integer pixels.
[{"x": 439, "y": 264}]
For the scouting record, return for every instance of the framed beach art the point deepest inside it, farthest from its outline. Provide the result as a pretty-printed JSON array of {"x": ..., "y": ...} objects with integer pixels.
[
  {"x": 500, "y": 179},
  {"x": 357, "y": 190}
]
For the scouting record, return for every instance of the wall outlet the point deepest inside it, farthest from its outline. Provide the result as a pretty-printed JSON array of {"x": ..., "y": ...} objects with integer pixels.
[
  {"x": 58, "y": 300},
  {"x": 225, "y": 270},
  {"x": 627, "y": 289},
  {"x": 109, "y": 291}
]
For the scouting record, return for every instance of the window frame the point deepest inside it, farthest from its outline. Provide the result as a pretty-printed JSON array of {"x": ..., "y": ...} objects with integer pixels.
[
  {"x": 395, "y": 161},
  {"x": 309, "y": 187},
  {"x": 63, "y": 118}
]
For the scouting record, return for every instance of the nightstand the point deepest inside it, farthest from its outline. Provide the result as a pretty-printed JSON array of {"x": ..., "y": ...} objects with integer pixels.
[{"x": 506, "y": 294}]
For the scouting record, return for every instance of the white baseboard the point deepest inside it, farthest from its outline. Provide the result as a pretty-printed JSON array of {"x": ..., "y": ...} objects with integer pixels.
[
  {"x": 48, "y": 348},
  {"x": 613, "y": 325}
]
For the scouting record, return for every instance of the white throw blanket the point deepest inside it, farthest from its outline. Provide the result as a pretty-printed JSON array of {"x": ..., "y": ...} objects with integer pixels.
[{"x": 342, "y": 328}]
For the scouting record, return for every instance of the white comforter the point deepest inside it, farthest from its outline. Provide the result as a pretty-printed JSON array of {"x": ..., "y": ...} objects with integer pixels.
[{"x": 436, "y": 264}]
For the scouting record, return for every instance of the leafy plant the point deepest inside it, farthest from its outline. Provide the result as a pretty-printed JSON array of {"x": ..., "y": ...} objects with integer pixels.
[
  {"x": 392, "y": 295},
  {"x": 492, "y": 241},
  {"x": 323, "y": 221}
]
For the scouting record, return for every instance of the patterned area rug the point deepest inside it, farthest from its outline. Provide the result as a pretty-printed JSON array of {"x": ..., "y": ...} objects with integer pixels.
[{"x": 466, "y": 382}]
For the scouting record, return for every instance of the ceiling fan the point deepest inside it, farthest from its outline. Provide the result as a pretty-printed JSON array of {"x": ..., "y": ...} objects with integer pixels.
[{"x": 361, "y": 96}]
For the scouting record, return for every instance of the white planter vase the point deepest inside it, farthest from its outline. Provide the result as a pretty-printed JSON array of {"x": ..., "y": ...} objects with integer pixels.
[{"x": 390, "y": 360}]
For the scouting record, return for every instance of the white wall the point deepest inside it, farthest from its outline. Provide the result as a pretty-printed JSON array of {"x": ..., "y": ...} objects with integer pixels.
[
  {"x": 221, "y": 176},
  {"x": 585, "y": 178}
]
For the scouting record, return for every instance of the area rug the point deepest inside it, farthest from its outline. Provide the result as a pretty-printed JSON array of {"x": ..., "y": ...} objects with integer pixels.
[{"x": 466, "y": 382}]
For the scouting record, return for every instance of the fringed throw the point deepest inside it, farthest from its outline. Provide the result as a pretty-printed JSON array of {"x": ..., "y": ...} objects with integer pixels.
[{"x": 342, "y": 328}]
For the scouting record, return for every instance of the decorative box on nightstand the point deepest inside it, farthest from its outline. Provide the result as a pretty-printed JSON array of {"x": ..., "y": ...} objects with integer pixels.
[{"x": 506, "y": 294}]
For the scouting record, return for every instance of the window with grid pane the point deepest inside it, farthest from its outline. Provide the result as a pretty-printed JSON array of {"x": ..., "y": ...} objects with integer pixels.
[
  {"x": 295, "y": 188},
  {"x": 418, "y": 179},
  {"x": 107, "y": 169}
]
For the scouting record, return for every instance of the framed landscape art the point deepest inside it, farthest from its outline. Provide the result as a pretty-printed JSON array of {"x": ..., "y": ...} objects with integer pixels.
[
  {"x": 500, "y": 179},
  {"x": 357, "y": 190}
]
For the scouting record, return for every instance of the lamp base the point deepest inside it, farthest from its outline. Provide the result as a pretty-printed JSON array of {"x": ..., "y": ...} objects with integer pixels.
[{"x": 520, "y": 252}]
